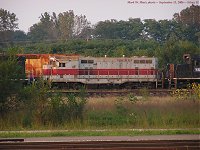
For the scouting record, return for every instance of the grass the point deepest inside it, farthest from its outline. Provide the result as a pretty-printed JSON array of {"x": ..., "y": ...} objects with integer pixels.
[
  {"x": 119, "y": 132},
  {"x": 118, "y": 113},
  {"x": 154, "y": 112}
]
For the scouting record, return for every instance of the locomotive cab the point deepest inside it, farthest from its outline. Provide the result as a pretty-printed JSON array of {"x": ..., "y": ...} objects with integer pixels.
[{"x": 181, "y": 75}]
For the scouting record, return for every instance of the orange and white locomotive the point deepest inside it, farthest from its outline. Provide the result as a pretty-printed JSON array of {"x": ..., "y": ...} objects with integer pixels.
[{"x": 133, "y": 71}]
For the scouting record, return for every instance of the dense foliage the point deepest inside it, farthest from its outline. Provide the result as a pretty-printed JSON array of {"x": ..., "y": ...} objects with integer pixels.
[
  {"x": 63, "y": 26},
  {"x": 8, "y": 22},
  {"x": 69, "y": 33},
  {"x": 10, "y": 84}
]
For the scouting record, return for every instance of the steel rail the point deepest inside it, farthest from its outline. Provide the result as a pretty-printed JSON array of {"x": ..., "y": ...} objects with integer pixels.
[
  {"x": 150, "y": 92},
  {"x": 97, "y": 145},
  {"x": 11, "y": 140}
]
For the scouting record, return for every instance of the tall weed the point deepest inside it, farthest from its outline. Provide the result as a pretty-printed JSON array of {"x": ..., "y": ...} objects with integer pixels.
[{"x": 191, "y": 93}]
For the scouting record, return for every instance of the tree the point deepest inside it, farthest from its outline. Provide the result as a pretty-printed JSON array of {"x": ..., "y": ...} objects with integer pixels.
[
  {"x": 7, "y": 20},
  {"x": 36, "y": 33},
  {"x": 114, "y": 29},
  {"x": 135, "y": 28},
  {"x": 7, "y": 25},
  {"x": 190, "y": 19},
  {"x": 189, "y": 16},
  {"x": 152, "y": 29},
  {"x": 81, "y": 27},
  {"x": 106, "y": 29},
  {"x": 46, "y": 29},
  {"x": 65, "y": 26},
  {"x": 34, "y": 100},
  {"x": 66, "y": 23},
  {"x": 172, "y": 51},
  {"x": 19, "y": 35},
  {"x": 10, "y": 83}
]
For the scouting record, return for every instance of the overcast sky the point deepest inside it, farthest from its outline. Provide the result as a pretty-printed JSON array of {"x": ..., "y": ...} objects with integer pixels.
[{"x": 28, "y": 11}]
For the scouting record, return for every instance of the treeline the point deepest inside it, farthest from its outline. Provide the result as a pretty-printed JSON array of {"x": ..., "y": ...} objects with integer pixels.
[
  {"x": 66, "y": 25},
  {"x": 69, "y": 33},
  {"x": 51, "y": 27},
  {"x": 169, "y": 52}
]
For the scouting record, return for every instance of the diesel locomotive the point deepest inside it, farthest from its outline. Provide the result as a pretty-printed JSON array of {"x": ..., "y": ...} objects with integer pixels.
[
  {"x": 181, "y": 75},
  {"x": 127, "y": 72}
]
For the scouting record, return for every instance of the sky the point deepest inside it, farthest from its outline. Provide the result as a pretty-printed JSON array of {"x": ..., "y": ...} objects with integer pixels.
[{"x": 29, "y": 11}]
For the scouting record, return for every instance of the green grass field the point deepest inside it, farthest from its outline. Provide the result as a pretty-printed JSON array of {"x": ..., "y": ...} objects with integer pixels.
[
  {"x": 118, "y": 113},
  {"x": 154, "y": 112}
]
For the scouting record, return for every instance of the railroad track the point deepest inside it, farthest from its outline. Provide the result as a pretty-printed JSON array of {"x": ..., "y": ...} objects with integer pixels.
[
  {"x": 138, "y": 92},
  {"x": 106, "y": 145}
]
